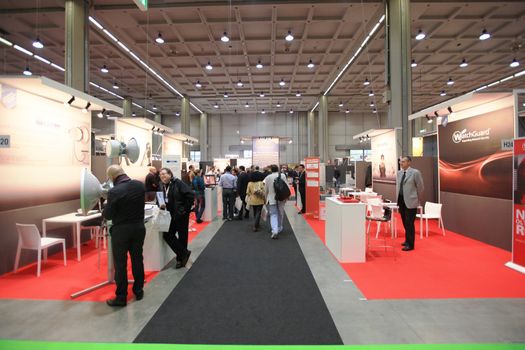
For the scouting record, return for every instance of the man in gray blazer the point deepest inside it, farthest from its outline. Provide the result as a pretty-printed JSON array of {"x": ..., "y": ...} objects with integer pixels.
[{"x": 410, "y": 194}]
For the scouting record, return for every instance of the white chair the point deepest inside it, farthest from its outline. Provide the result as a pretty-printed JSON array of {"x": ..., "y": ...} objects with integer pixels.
[
  {"x": 96, "y": 233},
  {"x": 29, "y": 238},
  {"x": 377, "y": 215},
  {"x": 433, "y": 212}
]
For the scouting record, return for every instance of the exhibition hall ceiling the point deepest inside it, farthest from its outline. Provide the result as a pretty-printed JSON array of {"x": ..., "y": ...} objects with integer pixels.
[{"x": 325, "y": 33}]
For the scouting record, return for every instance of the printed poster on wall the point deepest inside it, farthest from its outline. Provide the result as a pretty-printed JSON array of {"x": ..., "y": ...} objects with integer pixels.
[
  {"x": 265, "y": 151},
  {"x": 384, "y": 157},
  {"x": 49, "y": 147},
  {"x": 471, "y": 159},
  {"x": 518, "y": 235}
]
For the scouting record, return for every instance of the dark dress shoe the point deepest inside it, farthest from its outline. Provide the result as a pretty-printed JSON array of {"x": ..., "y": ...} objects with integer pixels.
[
  {"x": 299, "y": 212},
  {"x": 139, "y": 296},
  {"x": 116, "y": 302},
  {"x": 407, "y": 248},
  {"x": 185, "y": 258},
  {"x": 179, "y": 265},
  {"x": 199, "y": 221},
  {"x": 404, "y": 244}
]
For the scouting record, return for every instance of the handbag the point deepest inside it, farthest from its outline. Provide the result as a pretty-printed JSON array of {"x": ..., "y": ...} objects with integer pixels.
[
  {"x": 238, "y": 203},
  {"x": 161, "y": 220},
  {"x": 264, "y": 213}
]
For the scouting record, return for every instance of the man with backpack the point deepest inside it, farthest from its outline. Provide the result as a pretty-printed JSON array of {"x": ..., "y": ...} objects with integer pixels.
[{"x": 277, "y": 192}]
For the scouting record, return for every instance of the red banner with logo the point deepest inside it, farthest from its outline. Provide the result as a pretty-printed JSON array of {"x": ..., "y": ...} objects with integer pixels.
[
  {"x": 518, "y": 224},
  {"x": 312, "y": 186}
]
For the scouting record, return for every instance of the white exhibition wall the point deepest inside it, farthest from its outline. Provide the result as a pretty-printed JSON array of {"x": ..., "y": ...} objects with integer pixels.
[
  {"x": 50, "y": 144},
  {"x": 124, "y": 132}
]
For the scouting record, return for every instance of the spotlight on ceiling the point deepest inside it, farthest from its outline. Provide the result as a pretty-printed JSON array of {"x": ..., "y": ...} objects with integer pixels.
[
  {"x": 371, "y": 93},
  {"x": 340, "y": 103},
  {"x": 115, "y": 86},
  {"x": 154, "y": 107},
  {"x": 282, "y": 83},
  {"x": 290, "y": 141},
  {"x": 133, "y": 114},
  {"x": 484, "y": 35},
  {"x": 347, "y": 111},
  {"x": 239, "y": 83},
  {"x": 374, "y": 110},
  {"x": 101, "y": 114},
  {"x": 85, "y": 109},
  {"x": 443, "y": 93},
  {"x": 429, "y": 119},
  {"x": 224, "y": 37},
  {"x": 463, "y": 63},
  {"x": 246, "y": 105},
  {"x": 159, "y": 39},
  {"x": 420, "y": 35},
  {"x": 225, "y": 95},
  {"x": 289, "y": 36},
  {"x": 68, "y": 103},
  {"x": 278, "y": 105},
  {"x": 298, "y": 94},
  {"x": 436, "y": 114},
  {"x": 215, "y": 106},
  {"x": 27, "y": 71},
  {"x": 37, "y": 43},
  {"x": 367, "y": 137},
  {"x": 514, "y": 63},
  {"x": 104, "y": 69},
  {"x": 177, "y": 114},
  {"x": 310, "y": 64},
  {"x": 291, "y": 111},
  {"x": 413, "y": 64},
  {"x": 259, "y": 65},
  {"x": 198, "y": 84},
  {"x": 263, "y": 111},
  {"x": 450, "y": 81},
  {"x": 261, "y": 94},
  {"x": 366, "y": 82},
  {"x": 209, "y": 66}
]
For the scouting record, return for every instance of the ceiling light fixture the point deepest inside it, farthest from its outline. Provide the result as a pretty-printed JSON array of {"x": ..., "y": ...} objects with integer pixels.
[
  {"x": 247, "y": 105},
  {"x": 224, "y": 37},
  {"x": 115, "y": 86},
  {"x": 340, "y": 103},
  {"x": 282, "y": 83},
  {"x": 463, "y": 63},
  {"x": 68, "y": 103},
  {"x": 104, "y": 69},
  {"x": 225, "y": 95},
  {"x": 436, "y": 114},
  {"x": 261, "y": 94},
  {"x": 133, "y": 114},
  {"x": 154, "y": 107},
  {"x": 263, "y": 111},
  {"x": 198, "y": 84},
  {"x": 215, "y": 106},
  {"x": 347, "y": 111},
  {"x": 85, "y": 109},
  {"x": 259, "y": 65},
  {"x": 420, "y": 35},
  {"x": 177, "y": 114},
  {"x": 372, "y": 104},
  {"x": 310, "y": 64},
  {"x": 239, "y": 83},
  {"x": 413, "y": 64},
  {"x": 298, "y": 94},
  {"x": 209, "y": 66},
  {"x": 278, "y": 105},
  {"x": 291, "y": 111},
  {"x": 443, "y": 93},
  {"x": 366, "y": 82},
  {"x": 27, "y": 71},
  {"x": 371, "y": 93},
  {"x": 289, "y": 36},
  {"x": 159, "y": 39},
  {"x": 373, "y": 111},
  {"x": 514, "y": 63},
  {"x": 450, "y": 81},
  {"x": 101, "y": 114},
  {"x": 484, "y": 35},
  {"x": 37, "y": 43}
]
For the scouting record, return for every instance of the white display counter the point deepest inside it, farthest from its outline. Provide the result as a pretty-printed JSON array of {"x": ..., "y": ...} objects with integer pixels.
[
  {"x": 210, "y": 198},
  {"x": 156, "y": 251},
  {"x": 345, "y": 230}
]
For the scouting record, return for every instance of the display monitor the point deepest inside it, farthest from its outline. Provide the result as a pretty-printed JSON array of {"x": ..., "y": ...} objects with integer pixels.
[{"x": 210, "y": 180}]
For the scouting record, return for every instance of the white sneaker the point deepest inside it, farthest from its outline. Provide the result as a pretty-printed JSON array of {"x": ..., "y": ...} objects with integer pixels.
[{"x": 274, "y": 236}]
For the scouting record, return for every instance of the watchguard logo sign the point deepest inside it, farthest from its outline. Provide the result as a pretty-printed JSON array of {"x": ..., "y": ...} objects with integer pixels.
[{"x": 470, "y": 136}]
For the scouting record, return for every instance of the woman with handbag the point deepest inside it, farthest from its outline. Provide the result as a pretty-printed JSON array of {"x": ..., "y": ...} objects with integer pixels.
[
  {"x": 179, "y": 200},
  {"x": 255, "y": 196}
]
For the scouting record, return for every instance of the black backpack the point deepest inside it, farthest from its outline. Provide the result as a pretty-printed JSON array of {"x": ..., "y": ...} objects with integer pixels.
[{"x": 282, "y": 190}]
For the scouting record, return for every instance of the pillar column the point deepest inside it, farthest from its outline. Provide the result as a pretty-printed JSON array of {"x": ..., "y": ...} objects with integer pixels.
[
  {"x": 185, "y": 124},
  {"x": 77, "y": 45},
  {"x": 203, "y": 136},
  {"x": 322, "y": 139},
  {"x": 126, "y": 106},
  {"x": 399, "y": 75},
  {"x": 157, "y": 118},
  {"x": 311, "y": 134}
]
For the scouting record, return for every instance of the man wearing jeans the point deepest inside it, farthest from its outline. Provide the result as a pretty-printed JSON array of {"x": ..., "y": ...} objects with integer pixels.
[
  {"x": 276, "y": 208},
  {"x": 228, "y": 182}
]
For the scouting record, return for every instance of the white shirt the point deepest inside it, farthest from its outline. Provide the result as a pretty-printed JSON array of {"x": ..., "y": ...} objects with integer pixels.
[{"x": 268, "y": 185}]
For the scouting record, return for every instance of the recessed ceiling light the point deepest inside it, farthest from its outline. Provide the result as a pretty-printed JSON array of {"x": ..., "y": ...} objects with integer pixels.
[
  {"x": 289, "y": 36},
  {"x": 298, "y": 94},
  {"x": 282, "y": 83},
  {"x": 514, "y": 63},
  {"x": 484, "y": 35},
  {"x": 104, "y": 69},
  {"x": 366, "y": 82},
  {"x": 311, "y": 64},
  {"x": 443, "y": 93},
  {"x": 341, "y": 104},
  {"x": 209, "y": 66},
  {"x": 159, "y": 39},
  {"x": 27, "y": 71},
  {"x": 463, "y": 63},
  {"x": 259, "y": 65},
  {"x": 420, "y": 35},
  {"x": 371, "y": 93},
  {"x": 261, "y": 94},
  {"x": 239, "y": 83},
  {"x": 413, "y": 64},
  {"x": 450, "y": 81},
  {"x": 224, "y": 38},
  {"x": 198, "y": 84},
  {"x": 37, "y": 43}
]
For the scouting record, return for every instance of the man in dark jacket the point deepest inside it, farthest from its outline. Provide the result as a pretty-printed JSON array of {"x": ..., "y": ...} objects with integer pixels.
[
  {"x": 125, "y": 207},
  {"x": 242, "y": 184},
  {"x": 302, "y": 188},
  {"x": 179, "y": 199}
]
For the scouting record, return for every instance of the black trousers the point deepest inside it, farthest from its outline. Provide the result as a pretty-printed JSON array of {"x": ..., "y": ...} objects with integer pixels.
[
  {"x": 128, "y": 238},
  {"x": 228, "y": 201},
  {"x": 177, "y": 236},
  {"x": 302, "y": 191},
  {"x": 295, "y": 191},
  {"x": 408, "y": 216},
  {"x": 243, "y": 210},
  {"x": 257, "y": 215}
]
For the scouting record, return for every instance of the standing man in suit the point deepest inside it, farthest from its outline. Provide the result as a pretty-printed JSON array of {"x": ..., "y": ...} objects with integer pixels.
[
  {"x": 410, "y": 195},
  {"x": 302, "y": 188},
  {"x": 242, "y": 184}
]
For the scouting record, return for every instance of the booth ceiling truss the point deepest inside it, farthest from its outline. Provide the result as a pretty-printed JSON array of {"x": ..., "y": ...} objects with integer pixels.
[{"x": 258, "y": 55}]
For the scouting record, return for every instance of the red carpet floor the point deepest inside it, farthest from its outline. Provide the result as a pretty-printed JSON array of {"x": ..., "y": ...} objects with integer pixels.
[
  {"x": 451, "y": 266},
  {"x": 58, "y": 282}
]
